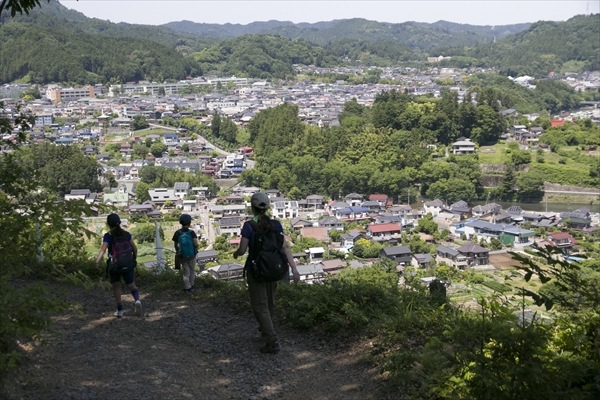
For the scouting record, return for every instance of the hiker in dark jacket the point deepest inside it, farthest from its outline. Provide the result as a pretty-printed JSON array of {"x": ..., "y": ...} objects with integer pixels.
[
  {"x": 262, "y": 294},
  {"x": 114, "y": 225}
]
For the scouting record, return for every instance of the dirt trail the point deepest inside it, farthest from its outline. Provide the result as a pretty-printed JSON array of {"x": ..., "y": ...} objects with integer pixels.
[{"x": 184, "y": 348}]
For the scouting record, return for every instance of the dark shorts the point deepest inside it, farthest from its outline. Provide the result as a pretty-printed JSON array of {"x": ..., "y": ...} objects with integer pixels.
[{"x": 127, "y": 277}]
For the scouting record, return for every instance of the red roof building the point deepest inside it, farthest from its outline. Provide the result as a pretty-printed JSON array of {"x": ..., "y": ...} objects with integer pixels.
[
  {"x": 376, "y": 230},
  {"x": 561, "y": 240}
]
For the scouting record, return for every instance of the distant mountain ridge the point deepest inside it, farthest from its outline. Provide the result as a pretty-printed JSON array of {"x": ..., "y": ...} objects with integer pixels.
[{"x": 420, "y": 35}]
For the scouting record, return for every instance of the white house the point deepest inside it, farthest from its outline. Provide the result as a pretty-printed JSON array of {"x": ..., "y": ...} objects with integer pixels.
[
  {"x": 463, "y": 147},
  {"x": 434, "y": 207}
]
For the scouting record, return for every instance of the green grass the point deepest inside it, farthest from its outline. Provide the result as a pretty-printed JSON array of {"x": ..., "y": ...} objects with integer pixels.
[
  {"x": 495, "y": 154},
  {"x": 152, "y": 131}
]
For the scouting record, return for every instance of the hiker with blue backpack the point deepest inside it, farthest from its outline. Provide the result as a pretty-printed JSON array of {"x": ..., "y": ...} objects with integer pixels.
[
  {"x": 121, "y": 263},
  {"x": 268, "y": 262},
  {"x": 186, "y": 248}
]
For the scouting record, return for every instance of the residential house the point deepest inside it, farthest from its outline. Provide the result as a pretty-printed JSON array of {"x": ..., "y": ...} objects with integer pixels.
[
  {"x": 245, "y": 190},
  {"x": 382, "y": 232},
  {"x": 82, "y": 194},
  {"x": 485, "y": 209},
  {"x": 216, "y": 211},
  {"x": 460, "y": 208},
  {"x": 231, "y": 271},
  {"x": 422, "y": 260},
  {"x": 233, "y": 199},
  {"x": 352, "y": 213},
  {"x": 331, "y": 223},
  {"x": 401, "y": 211},
  {"x": 578, "y": 219},
  {"x": 350, "y": 238},
  {"x": 283, "y": 208},
  {"x": 311, "y": 273},
  {"x": 452, "y": 257},
  {"x": 273, "y": 193},
  {"x": 313, "y": 202},
  {"x": 182, "y": 189},
  {"x": 476, "y": 254},
  {"x": 141, "y": 209},
  {"x": 298, "y": 223},
  {"x": 338, "y": 205},
  {"x": 171, "y": 139},
  {"x": 561, "y": 240},
  {"x": 89, "y": 150},
  {"x": 445, "y": 219},
  {"x": 332, "y": 266},
  {"x": 379, "y": 198},
  {"x": 399, "y": 254},
  {"x": 229, "y": 226},
  {"x": 387, "y": 219},
  {"x": 354, "y": 199},
  {"x": 189, "y": 205},
  {"x": 200, "y": 192},
  {"x": 116, "y": 199},
  {"x": 206, "y": 256},
  {"x": 533, "y": 218},
  {"x": 371, "y": 205},
  {"x": 234, "y": 210},
  {"x": 511, "y": 235},
  {"x": 315, "y": 254},
  {"x": 434, "y": 207},
  {"x": 160, "y": 196},
  {"x": 461, "y": 147}
]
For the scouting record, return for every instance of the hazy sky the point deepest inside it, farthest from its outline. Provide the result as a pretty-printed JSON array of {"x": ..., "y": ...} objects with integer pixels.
[{"x": 475, "y": 12}]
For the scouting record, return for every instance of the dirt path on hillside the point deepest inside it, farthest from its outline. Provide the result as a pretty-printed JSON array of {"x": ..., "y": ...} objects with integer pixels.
[{"x": 184, "y": 348}]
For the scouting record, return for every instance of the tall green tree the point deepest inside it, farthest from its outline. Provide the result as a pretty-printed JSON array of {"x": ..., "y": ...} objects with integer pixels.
[
  {"x": 215, "y": 124},
  {"x": 141, "y": 192},
  {"x": 139, "y": 122}
]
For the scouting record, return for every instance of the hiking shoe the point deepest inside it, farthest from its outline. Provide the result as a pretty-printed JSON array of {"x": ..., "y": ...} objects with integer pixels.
[
  {"x": 190, "y": 290},
  {"x": 119, "y": 313},
  {"x": 138, "y": 308},
  {"x": 270, "y": 348}
]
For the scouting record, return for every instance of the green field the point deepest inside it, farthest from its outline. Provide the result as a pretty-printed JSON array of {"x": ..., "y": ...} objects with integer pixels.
[{"x": 495, "y": 154}]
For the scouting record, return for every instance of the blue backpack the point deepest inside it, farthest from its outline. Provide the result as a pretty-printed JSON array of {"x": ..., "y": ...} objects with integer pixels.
[{"x": 186, "y": 245}]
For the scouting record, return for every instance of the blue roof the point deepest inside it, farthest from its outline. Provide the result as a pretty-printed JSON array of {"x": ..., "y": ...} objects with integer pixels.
[{"x": 358, "y": 209}]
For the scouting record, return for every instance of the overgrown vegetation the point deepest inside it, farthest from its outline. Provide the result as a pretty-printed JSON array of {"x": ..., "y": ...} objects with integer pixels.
[{"x": 41, "y": 237}]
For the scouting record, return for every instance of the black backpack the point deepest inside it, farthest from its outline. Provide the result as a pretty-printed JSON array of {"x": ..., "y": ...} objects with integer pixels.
[
  {"x": 122, "y": 260},
  {"x": 268, "y": 262}
]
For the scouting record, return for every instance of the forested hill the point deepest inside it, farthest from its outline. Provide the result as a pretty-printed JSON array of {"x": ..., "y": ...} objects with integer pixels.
[
  {"x": 61, "y": 54},
  {"x": 573, "y": 45},
  {"x": 420, "y": 36},
  {"x": 54, "y": 15},
  {"x": 55, "y": 44}
]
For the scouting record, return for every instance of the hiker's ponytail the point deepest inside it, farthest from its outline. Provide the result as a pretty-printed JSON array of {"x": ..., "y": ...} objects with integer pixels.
[
  {"x": 117, "y": 231},
  {"x": 264, "y": 222}
]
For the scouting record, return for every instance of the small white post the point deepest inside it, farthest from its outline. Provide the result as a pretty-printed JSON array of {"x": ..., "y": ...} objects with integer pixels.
[{"x": 160, "y": 257}]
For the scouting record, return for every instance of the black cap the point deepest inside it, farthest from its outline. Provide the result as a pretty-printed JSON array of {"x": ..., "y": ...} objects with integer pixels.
[
  {"x": 113, "y": 220},
  {"x": 185, "y": 219}
]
